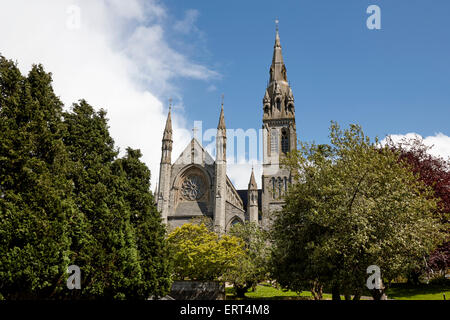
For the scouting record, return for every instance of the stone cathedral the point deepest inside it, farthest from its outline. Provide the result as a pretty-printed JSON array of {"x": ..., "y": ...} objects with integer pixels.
[{"x": 196, "y": 185}]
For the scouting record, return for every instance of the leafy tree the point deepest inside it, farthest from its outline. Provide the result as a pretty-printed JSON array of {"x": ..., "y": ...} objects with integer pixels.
[
  {"x": 435, "y": 173},
  {"x": 252, "y": 268},
  {"x": 108, "y": 255},
  {"x": 353, "y": 205},
  {"x": 199, "y": 254},
  {"x": 146, "y": 220},
  {"x": 66, "y": 199},
  {"x": 35, "y": 203}
]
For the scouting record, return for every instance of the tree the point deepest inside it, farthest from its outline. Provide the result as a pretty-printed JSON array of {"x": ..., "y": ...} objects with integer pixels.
[
  {"x": 252, "y": 268},
  {"x": 65, "y": 198},
  {"x": 353, "y": 205},
  {"x": 35, "y": 203},
  {"x": 435, "y": 173},
  {"x": 199, "y": 254},
  {"x": 146, "y": 220}
]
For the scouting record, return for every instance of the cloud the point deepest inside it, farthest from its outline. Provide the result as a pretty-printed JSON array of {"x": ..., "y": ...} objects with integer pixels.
[
  {"x": 187, "y": 25},
  {"x": 239, "y": 173},
  {"x": 114, "y": 54},
  {"x": 439, "y": 143}
]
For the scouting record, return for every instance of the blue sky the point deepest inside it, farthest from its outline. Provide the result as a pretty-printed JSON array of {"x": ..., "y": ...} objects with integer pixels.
[
  {"x": 129, "y": 57},
  {"x": 393, "y": 80}
]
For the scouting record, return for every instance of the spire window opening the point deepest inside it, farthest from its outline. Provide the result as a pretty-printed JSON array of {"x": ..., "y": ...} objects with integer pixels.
[
  {"x": 279, "y": 104},
  {"x": 290, "y": 108},
  {"x": 284, "y": 142},
  {"x": 280, "y": 188},
  {"x": 273, "y": 188}
]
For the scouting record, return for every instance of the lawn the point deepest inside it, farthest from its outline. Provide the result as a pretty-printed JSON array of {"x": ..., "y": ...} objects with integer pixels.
[
  {"x": 423, "y": 292},
  {"x": 397, "y": 292}
]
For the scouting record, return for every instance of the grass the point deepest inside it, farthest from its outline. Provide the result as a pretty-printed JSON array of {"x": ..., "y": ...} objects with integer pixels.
[
  {"x": 265, "y": 291},
  {"x": 403, "y": 291},
  {"x": 396, "y": 292}
]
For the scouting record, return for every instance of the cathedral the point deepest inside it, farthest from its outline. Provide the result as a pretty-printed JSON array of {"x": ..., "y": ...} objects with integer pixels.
[{"x": 196, "y": 185}]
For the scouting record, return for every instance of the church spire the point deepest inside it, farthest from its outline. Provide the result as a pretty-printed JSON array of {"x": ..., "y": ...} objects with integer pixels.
[
  {"x": 277, "y": 69},
  {"x": 167, "y": 138},
  {"x": 168, "y": 128},
  {"x": 252, "y": 184},
  {"x": 221, "y": 124}
]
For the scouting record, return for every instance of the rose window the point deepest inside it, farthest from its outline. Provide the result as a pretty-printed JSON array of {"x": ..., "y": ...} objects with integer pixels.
[{"x": 192, "y": 188}]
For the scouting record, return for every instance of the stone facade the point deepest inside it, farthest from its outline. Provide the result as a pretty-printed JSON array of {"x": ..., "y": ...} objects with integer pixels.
[{"x": 196, "y": 185}]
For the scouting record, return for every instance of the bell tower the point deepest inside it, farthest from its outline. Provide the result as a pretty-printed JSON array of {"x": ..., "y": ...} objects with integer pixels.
[{"x": 279, "y": 133}]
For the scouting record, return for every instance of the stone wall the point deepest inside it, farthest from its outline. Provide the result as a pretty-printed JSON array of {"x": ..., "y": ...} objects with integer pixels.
[{"x": 197, "y": 290}]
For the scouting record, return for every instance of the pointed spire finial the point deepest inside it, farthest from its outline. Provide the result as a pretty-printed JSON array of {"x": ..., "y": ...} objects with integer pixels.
[
  {"x": 168, "y": 128},
  {"x": 252, "y": 183},
  {"x": 222, "y": 117},
  {"x": 276, "y": 24}
]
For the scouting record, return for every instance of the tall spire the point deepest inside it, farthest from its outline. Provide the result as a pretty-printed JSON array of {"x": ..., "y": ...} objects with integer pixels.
[
  {"x": 277, "y": 69},
  {"x": 252, "y": 183},
  {"x": 221, "y": 124},
  {"x": 167, "y": 138},
  {"x": 168, "y": 128}
]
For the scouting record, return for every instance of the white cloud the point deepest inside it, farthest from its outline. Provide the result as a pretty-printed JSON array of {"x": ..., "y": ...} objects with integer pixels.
[
  {"x": 112, "y": 53},
  {"x": 239, "y": 173},
  {"x": 187, "y": 25},
  {"x": 439, "y": 143}
]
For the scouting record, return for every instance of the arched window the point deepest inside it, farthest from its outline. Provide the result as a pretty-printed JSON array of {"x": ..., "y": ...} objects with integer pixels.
[
  {"x": 280, "y": 187},
  {"x": 279, "y": 104},
  {"x": 235, "y": 221},
  {"x": 273, "y": 188},
  {"x": 284, "y": 141},
  {"x": 285, "y": 184},
  {"x": 290, "y": 108}
]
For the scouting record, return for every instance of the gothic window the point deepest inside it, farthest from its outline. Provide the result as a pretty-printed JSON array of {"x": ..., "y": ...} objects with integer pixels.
[
  {"x": 274, "y": 141},
  {"x": 273, "y": 188},
  {"x": 290, "y": 107},
  {"x": 266, "y": 110},
  {"x": 235, "y": 221},
  {"x": 279, "y": 104},
  {"x": 192, "y": 188},
  {"x": 284, "y": 141},
  {"x": 280, "y": 187}
]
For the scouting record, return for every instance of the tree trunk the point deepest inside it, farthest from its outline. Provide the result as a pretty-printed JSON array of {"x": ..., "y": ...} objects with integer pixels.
[
  {"x": 240, "y": 291},
  {"x": 357, "y": 296},
  {"x": 378, "y": 294},
  {"x": 348, "y": 297},
  {"x": 335, "y": 293},
  {"x": 316, "y": 291}
]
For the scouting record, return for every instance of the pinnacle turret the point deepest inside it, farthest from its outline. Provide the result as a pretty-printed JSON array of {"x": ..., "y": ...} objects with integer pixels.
[{"x": 252, "y": 184}]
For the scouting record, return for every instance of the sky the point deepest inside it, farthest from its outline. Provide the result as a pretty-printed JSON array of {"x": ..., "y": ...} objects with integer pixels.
[{"x": 130, "y": 57}]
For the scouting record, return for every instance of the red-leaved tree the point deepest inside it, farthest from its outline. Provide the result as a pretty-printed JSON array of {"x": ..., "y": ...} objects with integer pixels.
[{"x": 434, "y": 172}]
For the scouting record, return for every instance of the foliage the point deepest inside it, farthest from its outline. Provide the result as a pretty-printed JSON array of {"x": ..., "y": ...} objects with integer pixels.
[
  {"x": 200, "y": 254},
  {"x": 354, "y": 205},
  {"x": 252, "y": 268},
  {"x": 66, "y": 199},
  {"x": 435, "y": 173},
  {"x": 35, "y": 205}
]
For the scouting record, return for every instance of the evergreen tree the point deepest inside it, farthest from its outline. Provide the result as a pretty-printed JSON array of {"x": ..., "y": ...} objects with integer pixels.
[
  {"x": 146, "y": 220},
  {"x": 35, "y": 202},
  {"x": 66, "y": 199}
]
